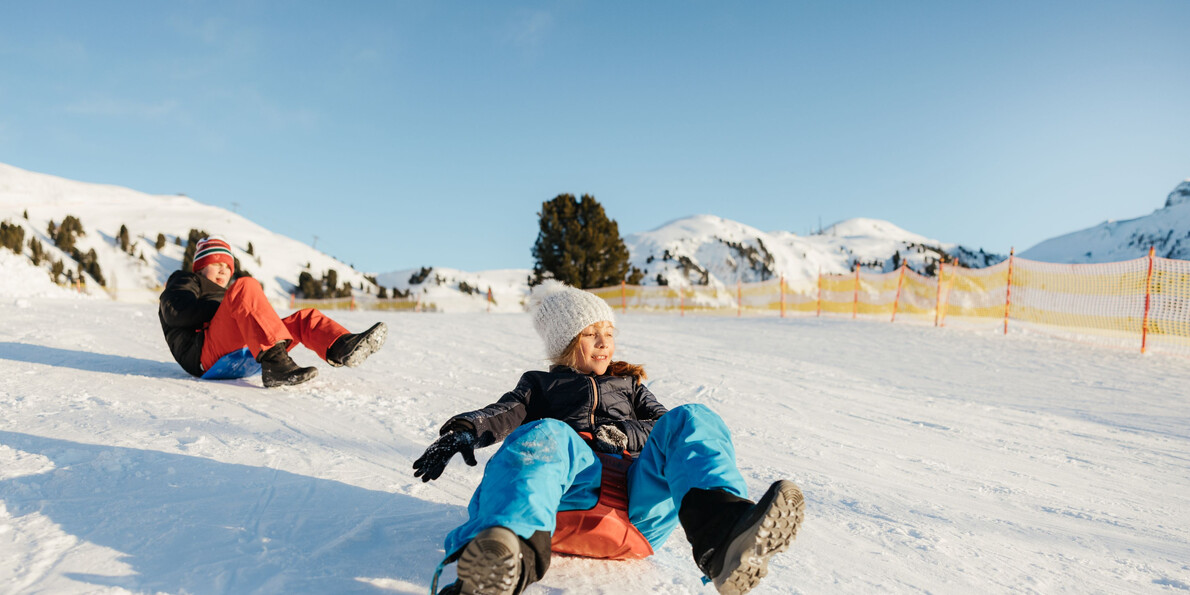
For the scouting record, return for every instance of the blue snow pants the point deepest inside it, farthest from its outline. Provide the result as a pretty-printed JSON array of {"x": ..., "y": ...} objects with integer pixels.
[{"x": 544, "y": 467}]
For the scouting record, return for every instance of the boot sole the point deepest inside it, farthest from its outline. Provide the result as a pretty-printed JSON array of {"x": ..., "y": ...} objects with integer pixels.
[
  {"x": 767, "y": 531},
  {"x": 490, "y": 564},
  {"x": 373, "y": 341}
]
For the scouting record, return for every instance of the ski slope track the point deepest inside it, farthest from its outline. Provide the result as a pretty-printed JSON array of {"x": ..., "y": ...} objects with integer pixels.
[{"x": 932, "y": 460}]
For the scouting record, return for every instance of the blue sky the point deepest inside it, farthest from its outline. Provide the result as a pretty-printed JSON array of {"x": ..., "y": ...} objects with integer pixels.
[{"x": 404, "y": 134}]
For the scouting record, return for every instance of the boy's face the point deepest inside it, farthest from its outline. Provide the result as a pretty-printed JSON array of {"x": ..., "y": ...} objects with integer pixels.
[
  {"x": 596, "y": 346},
  {"x": 219, "y": 273}
]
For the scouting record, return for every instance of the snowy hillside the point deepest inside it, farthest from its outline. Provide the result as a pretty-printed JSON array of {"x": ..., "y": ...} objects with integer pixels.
[
  {"x": 276, "y": 261},
  {"x": 452, "y": 290},
  {"x": 710, "y": 250},
  {"x": 1167, "y": 229},
  {"x": 1023, "y": 465}
]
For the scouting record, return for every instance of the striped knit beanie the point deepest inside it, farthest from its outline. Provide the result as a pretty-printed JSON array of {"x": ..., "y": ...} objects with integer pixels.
[
  {"x": 560, "y": 312},
  {"x": 210, "y": 251}
]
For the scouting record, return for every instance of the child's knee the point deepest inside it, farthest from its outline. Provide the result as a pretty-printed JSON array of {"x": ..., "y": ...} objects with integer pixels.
[
  {"x": 694, "y": 411},
  {"x": 557, "y": 430},
  {"x": 244, "y": 285}
]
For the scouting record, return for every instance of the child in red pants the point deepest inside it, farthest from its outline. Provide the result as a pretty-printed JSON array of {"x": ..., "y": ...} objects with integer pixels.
[{"x": 207, "y": 317}]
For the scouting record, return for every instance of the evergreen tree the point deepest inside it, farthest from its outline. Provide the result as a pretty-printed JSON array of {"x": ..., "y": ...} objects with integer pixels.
[
  {"x": 64, "y": 235},
  {"x": 191, "y": 244},
  {"x": 13, "y": 236},
  {"x": 578, "y": 244},
  {"x": 122, "y": 238},
  {"x": 37, "y": 250},
  {"x": 160, "y": 242},
  {"x": 309, "y": 287}
]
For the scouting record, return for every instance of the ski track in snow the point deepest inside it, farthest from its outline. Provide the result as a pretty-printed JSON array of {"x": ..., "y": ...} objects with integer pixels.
[{"x": 933, "y": 460}]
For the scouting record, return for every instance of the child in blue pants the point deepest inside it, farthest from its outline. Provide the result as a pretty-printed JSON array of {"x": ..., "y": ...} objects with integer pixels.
[{"x": 683, "y": 469}]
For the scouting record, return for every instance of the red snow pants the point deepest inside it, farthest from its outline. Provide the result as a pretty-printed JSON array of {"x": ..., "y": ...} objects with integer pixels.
[{"x": 246, "y": 318}]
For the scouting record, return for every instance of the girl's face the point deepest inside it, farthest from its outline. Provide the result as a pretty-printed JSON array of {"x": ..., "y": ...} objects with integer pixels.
[
  {"x": 596, "y": 346},
  {"x": 219, "y": 272}
]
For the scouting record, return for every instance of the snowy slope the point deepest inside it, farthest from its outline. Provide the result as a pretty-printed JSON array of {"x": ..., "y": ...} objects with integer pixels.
[
  {"x": 1167, "y": 230},
  {"x": 1023, "y": 465},
  {"x": 710, "y": 250},
  {"x": 276, "y": 263},
  {"x": 452, "y": 290}
]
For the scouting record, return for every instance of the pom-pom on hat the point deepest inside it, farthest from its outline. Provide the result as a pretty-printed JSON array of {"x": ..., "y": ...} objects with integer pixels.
[
  {"x": 560, "y": 312},
  {"x": 210, "y": 251}
]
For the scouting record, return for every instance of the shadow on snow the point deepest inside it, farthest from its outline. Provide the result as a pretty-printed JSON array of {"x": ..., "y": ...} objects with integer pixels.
[
  {"x": 194, "y": 525},
  {"x": 89, "y": 361}
]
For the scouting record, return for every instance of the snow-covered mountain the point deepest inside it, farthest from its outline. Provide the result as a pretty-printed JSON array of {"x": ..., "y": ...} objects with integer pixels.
[
  {"x": 32, "y": 200},
  {"x": 702, "y": 249},
  {"x": 1167, "y": 229},
  {"x": 710, "y": 250}
]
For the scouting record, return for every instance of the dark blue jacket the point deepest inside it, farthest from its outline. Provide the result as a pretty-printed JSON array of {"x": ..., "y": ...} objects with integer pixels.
[{"x": 582, "y": 401}]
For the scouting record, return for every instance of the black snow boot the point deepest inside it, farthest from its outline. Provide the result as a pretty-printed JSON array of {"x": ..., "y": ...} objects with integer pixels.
[
  {"x": 353, "y": 348},
  {"x": 277, "y": 369},
  {"x": 732, "y": 539},
  {"x": 498, "y": 562}
]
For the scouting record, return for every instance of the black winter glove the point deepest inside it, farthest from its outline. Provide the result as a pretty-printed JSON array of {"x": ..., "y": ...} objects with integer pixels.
[
  {"x": 610, "y": 438},
  {"x": 431, "y": 463}
]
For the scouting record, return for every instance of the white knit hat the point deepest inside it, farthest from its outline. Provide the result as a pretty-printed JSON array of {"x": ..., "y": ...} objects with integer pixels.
[{"x": 560, "y": 312}]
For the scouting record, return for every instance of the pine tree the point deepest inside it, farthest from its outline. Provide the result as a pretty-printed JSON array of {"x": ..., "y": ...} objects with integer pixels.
[
  {"x": 160, "y": 242},
  {"x": 12, "y": 236},
  {"x": 191, "y": 244},
  {"x": 122, "y": 237},
  {"x": 37, "y": 250},
  {"x": 577, "y": 244}
]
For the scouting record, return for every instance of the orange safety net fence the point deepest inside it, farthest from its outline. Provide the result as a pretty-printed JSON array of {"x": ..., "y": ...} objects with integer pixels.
[{"x": 1142, "y": 303}]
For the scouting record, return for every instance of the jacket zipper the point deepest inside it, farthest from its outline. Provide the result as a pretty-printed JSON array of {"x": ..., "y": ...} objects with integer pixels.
[{"x": 595, "y": 391}]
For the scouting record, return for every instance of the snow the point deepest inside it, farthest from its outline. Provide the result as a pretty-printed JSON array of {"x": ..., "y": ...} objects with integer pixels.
[
  {"x": 933, "y": 460},
  {"x": 1180, "y": 195}
]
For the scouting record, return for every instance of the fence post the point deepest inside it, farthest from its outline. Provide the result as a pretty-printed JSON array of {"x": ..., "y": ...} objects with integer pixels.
[
  {"x": 353, "y": 302},
  {"x": 782, "y": 296},
  {"x": 819, "y": 301},
  {"x": 855, "y": 296},
  {"x": 739, "y": 298},
  {"x": 897, "y": 300},
  {"x": 623, "y": 298},
  {"x": 1008, "y": 288},
  {"x": 938, "y": 293},
  {"x": 681, "y": 302},
  {"x": 292, "y": 300},
  {"x": 1144, "y": 327}
]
